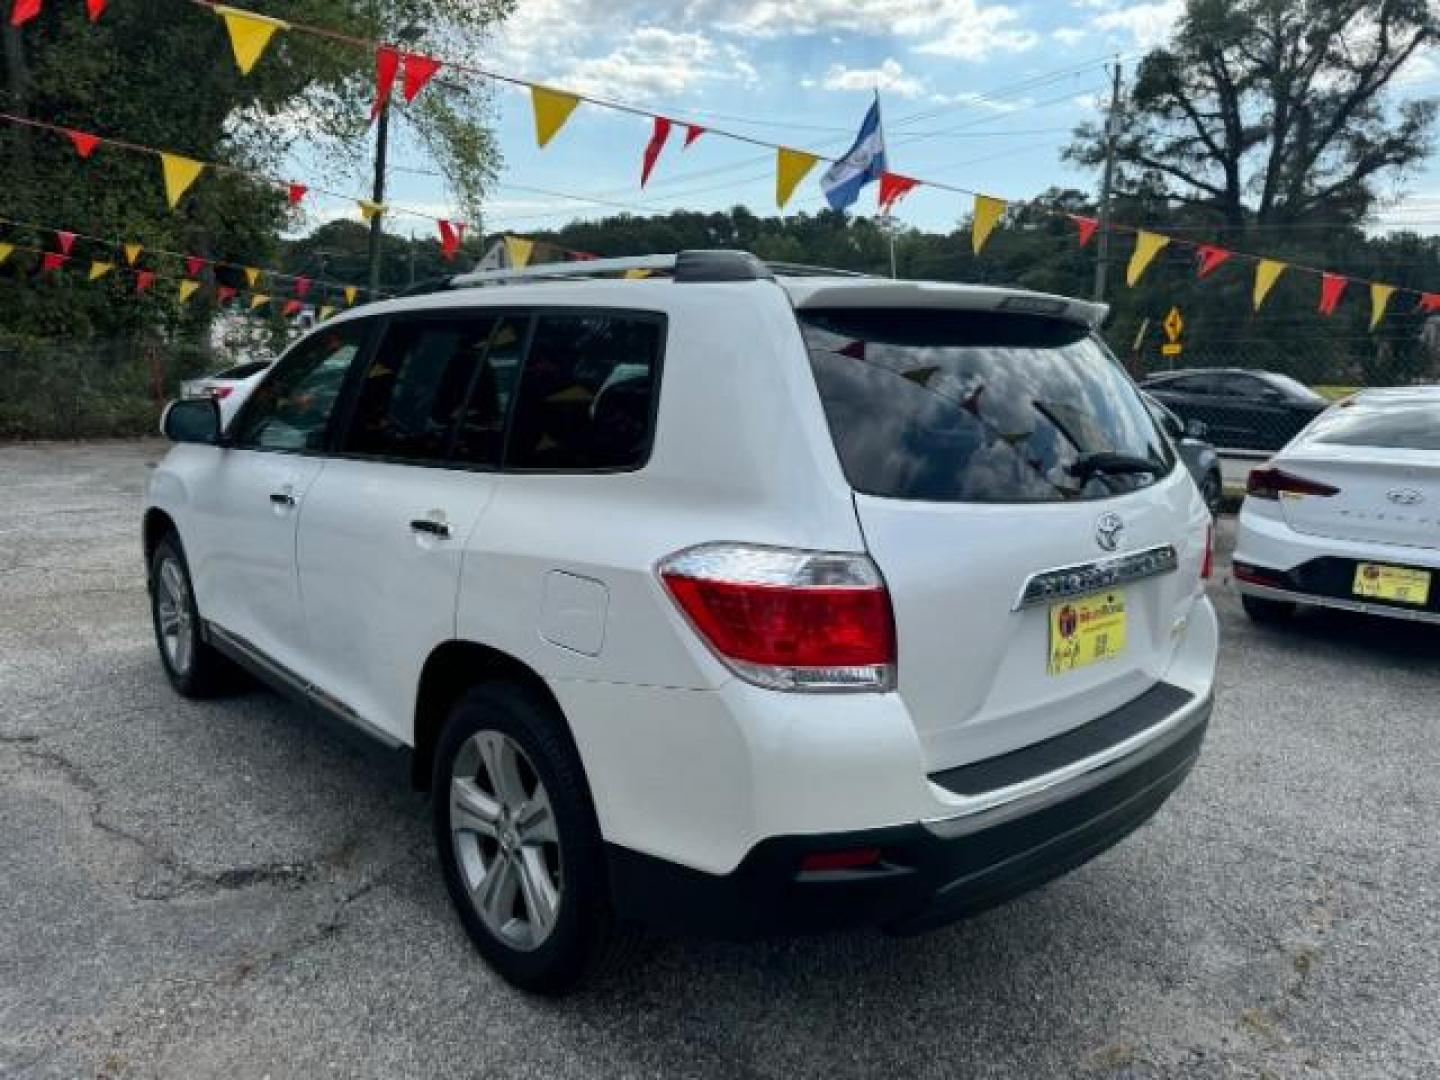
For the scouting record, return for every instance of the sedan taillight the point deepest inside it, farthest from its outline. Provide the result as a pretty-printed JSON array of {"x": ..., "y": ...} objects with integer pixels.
[
  {"x": 1270, "y": 483},
  {"x": 785, "y": 619},
  {"x": 220, "y": 393}
]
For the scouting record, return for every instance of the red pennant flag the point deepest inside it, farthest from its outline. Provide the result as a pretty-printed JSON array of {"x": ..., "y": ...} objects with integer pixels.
[
  {"x": 1085, "y": 227},
  {"x": 302, "y": 286},
  {"x": 65, "y": 240},
  {"x": 659, "y": 133},
  {"x": 893, "y": 188},
  {"x": 95, "y": 8},
  {"x": 451, "y": 233},
  {"x": 387, "y": 64},
  {"x": 692, "y": 132},
  {"x": 224, "y": 293},
  {"x": 1429, "y": 301},
  {"x": 295, "y": 193},
  {"x": 419, "y": 70},
  {"x": 1332, "y": 286},
  {"x": 84, "y": 143},
  {"x": 582, "y": 256},
  {"x": 143, "y": 280},
  {"x": 193, "y": 265},
  {"x": 24, "y": 11},
  {"x": 292, "y": 307},
  {"x": 52, "y": 260},
  {"x": 1210, "y": 258}
]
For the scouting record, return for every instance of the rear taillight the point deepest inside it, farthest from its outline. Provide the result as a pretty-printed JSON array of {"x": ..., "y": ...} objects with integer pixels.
[
  {"x": 1207, "y": 565},
  {"x": 220, "y": 393},
  {"x": 788, "y": 620},
  {"x": 1272, "y": 483}
]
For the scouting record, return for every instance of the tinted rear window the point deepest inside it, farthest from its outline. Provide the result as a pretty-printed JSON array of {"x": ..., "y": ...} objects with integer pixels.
[
  {"x": 951, "y": 406},
  {"x": 1412, "y": 425}
]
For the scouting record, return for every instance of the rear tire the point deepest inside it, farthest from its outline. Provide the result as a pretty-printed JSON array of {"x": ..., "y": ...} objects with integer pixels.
[
  {"x": 519, "y": 842},
  {"x": 194, "y": 668},
  {"x": 1267, "y": 612}
]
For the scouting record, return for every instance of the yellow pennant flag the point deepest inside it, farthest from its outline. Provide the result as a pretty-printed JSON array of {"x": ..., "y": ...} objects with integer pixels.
[
  {"x": 6, "y": 250},
  {"x": 187, "y": 289},
  {"x": 100, "y": 269},
  {"x": 350, "y": 293},
  {"x": 1379, "y": 301},
  {"x": 790, "y": 168},
  {"x": 519, "y": 250},
  {"x": 1147, "y": 246},
  {"x": 132, "y": 253},
  {"x": 325, "y": 312},
  {"x": 636, "y": 275},
  {"x": 258, "y": 300},
  {"x": 252, "y": 276},
  {"x": 987, "y": 216},
  {"x": 1267, "y": 272},
  {"x": 249, "y": 34},
  {"x": 552, "y": 109},
  {"x": 368, "y": 209},
  {"x": 180, "y": 173}
]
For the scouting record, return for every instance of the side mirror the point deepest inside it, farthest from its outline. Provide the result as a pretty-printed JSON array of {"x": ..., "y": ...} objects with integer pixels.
[
  {"x": 1197, "y": 429},
  {"x": 192, "y": 420}
]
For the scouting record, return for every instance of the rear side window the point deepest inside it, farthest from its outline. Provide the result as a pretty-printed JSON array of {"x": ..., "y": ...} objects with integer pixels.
[
  {"x": 587, "y": 394},
  {"x": 952, "y": 406},
  {"x": 414, "y": 392},
  {"x": 1400, "y": 426}
]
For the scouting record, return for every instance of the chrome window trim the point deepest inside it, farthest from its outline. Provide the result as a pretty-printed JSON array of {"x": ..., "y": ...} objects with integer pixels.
[{"x": 1081, "y": 579}]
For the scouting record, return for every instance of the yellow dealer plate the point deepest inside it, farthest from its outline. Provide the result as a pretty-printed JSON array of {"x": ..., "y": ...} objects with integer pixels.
[
  {"x": 1397, "y": 583},
  {"x": 1086, "y": 631}
]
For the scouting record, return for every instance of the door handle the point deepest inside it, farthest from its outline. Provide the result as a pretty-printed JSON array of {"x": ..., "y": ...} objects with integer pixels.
[
  {"x": 282, "y": 498},
  {"x": 434, "y": 528}
]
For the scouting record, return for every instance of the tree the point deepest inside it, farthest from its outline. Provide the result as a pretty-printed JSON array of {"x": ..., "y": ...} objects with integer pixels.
[
  {"x": 1273, "y": 112},
  {"x": 161, "y": 74}
]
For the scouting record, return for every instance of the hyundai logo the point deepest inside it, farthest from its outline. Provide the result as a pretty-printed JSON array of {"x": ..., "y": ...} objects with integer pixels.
[
  {"x": 1108, "y": 530},
  {"x": 1404, "y": 496}
]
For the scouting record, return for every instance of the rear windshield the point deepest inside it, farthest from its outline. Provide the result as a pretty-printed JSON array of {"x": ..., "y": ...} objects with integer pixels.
[
  {"x": 243, "y": 371},
  {"x": 1412, "y": 425},
  {"x": 953, "y": 406}
]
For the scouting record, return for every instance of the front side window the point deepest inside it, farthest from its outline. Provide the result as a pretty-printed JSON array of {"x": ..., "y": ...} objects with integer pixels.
[
  {"x": 414, "y": 391},
  {"x": 291, "y": 410},
  {"x": 587, "y": 392},
  {"x": 958, "y": 406}
]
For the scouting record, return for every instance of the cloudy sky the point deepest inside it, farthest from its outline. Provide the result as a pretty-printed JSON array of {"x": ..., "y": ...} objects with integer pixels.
[{"x": 977, "y": 93}]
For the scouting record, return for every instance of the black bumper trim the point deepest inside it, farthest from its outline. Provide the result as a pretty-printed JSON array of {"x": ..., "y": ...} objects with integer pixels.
[
  {"x": 922, "y": 881},
  {"x": 1099, "y": 735}
]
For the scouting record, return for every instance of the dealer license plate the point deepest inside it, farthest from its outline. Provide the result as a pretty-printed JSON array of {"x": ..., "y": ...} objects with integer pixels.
[
  {"x": 1086, "y": 631},
  {"x": 1396, "y": 583}
]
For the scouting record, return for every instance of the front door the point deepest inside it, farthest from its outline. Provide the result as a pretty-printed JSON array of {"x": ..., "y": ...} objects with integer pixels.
[
  {"x": 386, "y": 524},
  {"x": 246, "y": 508}
]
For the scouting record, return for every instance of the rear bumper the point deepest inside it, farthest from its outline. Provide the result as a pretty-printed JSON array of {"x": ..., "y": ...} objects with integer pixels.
[{"x": 929, "y": 873}]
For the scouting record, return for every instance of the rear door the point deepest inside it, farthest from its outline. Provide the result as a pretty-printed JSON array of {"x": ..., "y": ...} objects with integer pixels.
[
  {"x": 385, "y": 527},
  {"x": 964, "y": 435}
]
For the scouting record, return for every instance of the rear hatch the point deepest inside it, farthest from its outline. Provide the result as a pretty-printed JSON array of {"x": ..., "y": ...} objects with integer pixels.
[
  {"x": 1382, "y": 462},
  {"x": 965, "y": 435}
]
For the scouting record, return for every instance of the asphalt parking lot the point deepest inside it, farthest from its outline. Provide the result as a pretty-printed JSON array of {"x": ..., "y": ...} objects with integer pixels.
[{"x": 231, "y": 888}]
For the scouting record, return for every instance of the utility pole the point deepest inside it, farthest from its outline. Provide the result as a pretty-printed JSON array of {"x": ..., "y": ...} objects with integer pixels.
[
  {"x": 377, "y": 196},
  {"x": 1112, "y": 134}
]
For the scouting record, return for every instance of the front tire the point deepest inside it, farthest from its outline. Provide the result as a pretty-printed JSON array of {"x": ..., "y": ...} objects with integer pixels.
[
  {"x": 1267, "y": 612},
  {"x": 194, "y": 668},
  {"x": 518, "y": 840}
]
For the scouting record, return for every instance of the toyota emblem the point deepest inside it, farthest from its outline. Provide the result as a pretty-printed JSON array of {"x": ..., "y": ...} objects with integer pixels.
[{"x": 1108, "y": 530}]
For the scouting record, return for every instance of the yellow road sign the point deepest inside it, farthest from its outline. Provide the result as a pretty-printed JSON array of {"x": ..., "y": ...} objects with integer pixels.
[
  {"x": 1170, "y": 349},
  {"x": 1174, "y": 325}
]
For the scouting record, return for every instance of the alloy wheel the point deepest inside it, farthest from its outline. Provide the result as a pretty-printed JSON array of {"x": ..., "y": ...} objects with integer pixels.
[
  {"x": 172, "y": 615},
  {"x": 506, "y": 843}
]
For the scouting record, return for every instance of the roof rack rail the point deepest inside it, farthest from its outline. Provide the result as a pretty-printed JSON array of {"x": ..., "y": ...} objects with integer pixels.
[
  {"x": 687, "y": 266},
  {"x": 788, "y": 269}
]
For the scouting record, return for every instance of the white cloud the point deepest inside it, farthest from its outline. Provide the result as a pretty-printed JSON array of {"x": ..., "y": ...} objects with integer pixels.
[
  {"x": 890, "y": 76},
  {"x": 1069, "y": 35},
  {"x": 1148, "y": 24}
]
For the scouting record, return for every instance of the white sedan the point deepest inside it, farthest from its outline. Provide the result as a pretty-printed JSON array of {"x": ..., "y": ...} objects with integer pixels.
[
  {"x": 1348, "y": 514},
  {"x": 229, "y": 387}
]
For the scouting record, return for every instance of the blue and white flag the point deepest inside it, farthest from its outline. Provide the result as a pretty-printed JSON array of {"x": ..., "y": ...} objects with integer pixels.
[{"x": 862, "y": 164}]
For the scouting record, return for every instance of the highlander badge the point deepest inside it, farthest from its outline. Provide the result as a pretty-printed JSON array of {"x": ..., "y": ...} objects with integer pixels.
[{"x": 1404, "y": 496}]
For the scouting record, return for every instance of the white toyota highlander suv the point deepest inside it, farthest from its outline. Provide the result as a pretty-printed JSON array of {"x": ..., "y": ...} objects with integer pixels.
[{"x": 736, "y": 599}]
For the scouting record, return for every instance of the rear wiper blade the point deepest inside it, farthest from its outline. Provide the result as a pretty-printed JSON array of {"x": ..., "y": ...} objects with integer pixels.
[{"x": 1112, "y": 464}]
